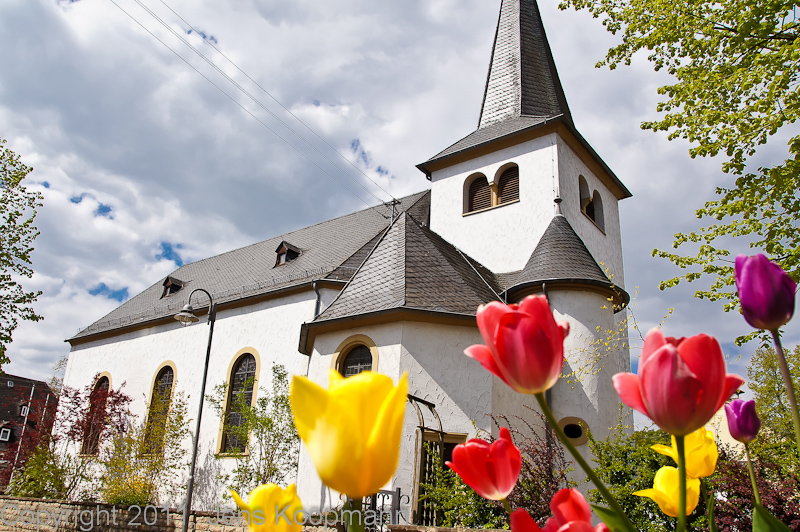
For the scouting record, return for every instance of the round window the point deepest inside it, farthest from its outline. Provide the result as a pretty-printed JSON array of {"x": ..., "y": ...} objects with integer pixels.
[{"x": 575, "y": 429}]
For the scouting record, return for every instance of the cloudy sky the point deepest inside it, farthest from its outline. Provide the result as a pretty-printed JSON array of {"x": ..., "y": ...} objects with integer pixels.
[{"x": 148, "y": 157}]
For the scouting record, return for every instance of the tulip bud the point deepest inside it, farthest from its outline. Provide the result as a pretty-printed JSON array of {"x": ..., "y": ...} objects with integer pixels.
[
  {"x": 743, "y": 421},
  {"x": 765, "y": 291}
]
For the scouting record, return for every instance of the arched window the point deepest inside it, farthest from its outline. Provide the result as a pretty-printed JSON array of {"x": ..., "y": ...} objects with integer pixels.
[
  {"x": 586, "y": 198},
  {"x": 242, "y": 381},
  {"x": 591, "y": 204},
  {"x": 479, "y": 195},
  {"x": 159, "y": 409},
  {"x": 508, "y": 186},
  {"x": 95, "y": 418},
  {"x": 597, "y": 204},
  {"x": 358, "y": 359}
]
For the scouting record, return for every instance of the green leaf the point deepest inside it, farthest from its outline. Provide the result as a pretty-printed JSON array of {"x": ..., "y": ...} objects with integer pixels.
[
  {"x": 615, "y": 522},
  {"x": 712, "y": 526},
  {"x": 763, "y": 521}
]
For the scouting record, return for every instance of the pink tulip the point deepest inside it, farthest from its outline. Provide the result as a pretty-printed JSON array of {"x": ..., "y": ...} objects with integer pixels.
[
  {"x": 524, "y": 344},
  {"x": 492, "y": 469},
  {"x": 681, "y": 383}
]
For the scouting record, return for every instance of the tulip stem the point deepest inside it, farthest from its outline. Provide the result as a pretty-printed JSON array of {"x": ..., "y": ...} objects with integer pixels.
[
  {"x": 682, "y": 483},
  {"x": 506, "y": 506},
  {"x": 355, "y": 523},
  {"x": 610, "y": 499},
  {"x": 787, "y": 381},
  {"x": 752, "y": 474}
]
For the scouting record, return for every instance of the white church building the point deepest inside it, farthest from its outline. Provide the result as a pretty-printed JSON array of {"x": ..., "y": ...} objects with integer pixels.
[{"x": 523, "y": 205}]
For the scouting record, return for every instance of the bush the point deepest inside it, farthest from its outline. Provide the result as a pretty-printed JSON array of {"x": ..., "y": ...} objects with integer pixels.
[{"x": 544, "y": 471}]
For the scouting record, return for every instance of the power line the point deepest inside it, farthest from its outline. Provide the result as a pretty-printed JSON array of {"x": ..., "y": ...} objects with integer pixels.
[
  {"x": 249, "y": 112},
  {"x": 253, "y": 98},
  {"x": 207, "y": 41}
]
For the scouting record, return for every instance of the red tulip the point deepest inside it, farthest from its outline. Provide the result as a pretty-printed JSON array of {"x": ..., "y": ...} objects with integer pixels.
[
  {"x": 571, "y": 513},
  {"x": 681, "y": 383},
  {"x": 524, "y": 344},
  {"x": 491, "y": 470},
  {"x": 521, "y": 521}
]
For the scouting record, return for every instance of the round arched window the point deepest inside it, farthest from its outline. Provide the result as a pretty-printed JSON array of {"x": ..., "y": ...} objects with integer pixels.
[
  {"x": 357, "y": 360},
  {"x": 242, "y": 381}
]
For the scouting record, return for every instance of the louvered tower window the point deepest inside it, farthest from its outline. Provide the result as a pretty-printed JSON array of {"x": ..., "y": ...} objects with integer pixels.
[
  {"x": 357, "y": 360},
  {"x": 480, "y": 195},
  {"x": 241, "y": 395},
  {"x": 508, "y": 186}
]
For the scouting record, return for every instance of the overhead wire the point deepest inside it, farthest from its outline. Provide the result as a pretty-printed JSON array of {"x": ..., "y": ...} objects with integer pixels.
[
  {"x": 250, "y": 112},
  {"x": 210, "y": 43},
  {"x": 254, "y": 99}
]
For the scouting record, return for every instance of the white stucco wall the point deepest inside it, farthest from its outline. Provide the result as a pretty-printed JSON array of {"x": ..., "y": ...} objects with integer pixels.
[
  {"x": 591, "y": 396},
  {"x": 269, "y": 329},
  {"x": 438, "y": 371},
  {"x": 605, "y": 246},
  {"x": 502, "y": 238}
]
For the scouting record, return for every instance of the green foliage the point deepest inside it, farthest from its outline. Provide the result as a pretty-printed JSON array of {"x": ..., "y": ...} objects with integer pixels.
[
  {"x": 544, "y": 471},
  {"x": 626, "y": 464},
  {"x": 47, "y": 475},
  {"x": 458, "y": 504},
  {"x": 735, "y": 65},
  {"x": 17, "y": 211},
  {"x": 267, "y": 432},
  {"x": 145, "y": 462},
  {"x": 775, "y": 442}
]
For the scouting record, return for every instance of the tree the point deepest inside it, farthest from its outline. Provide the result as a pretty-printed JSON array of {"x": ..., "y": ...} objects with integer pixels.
[
  {"x": 625, "y": 464},
  {"x": 775, "y": 441},
  {"x": 17, "y": 211},
  {"x": 143, "y": 465},
  {"x": 266, "y": 432},
  {"x": 60, "y": 467},
  {"x": 736, "y": 66}
]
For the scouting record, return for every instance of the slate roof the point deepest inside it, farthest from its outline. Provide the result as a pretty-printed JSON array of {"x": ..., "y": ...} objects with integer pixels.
[
  {"x": 414, "y": 268},
  {"x": 522, "y": 79},
  {"x": 329, "y": 250},
  {"x": 523, "y": 91},
  {"x": 561, "y": 255}
]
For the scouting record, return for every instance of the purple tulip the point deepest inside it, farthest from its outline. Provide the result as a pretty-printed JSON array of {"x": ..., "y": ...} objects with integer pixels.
[
  {"x": 765, "y": 291},
  {"x": 743, "y": 421}
]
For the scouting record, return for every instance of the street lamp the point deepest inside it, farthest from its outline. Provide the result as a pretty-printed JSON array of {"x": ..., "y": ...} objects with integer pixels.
[{"x": 186, "y": 317}]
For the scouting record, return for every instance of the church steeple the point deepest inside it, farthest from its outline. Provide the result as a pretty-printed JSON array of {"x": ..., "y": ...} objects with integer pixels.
[{"x": 522, "y": 78}]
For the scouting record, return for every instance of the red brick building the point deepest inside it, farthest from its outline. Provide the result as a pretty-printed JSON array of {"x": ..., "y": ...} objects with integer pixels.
[{"x": 27, "y": 410}]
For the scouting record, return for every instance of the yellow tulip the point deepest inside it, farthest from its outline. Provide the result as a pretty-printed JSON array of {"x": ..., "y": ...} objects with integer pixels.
[
  {"x": 665, "y": 490},
  {"x": 700, "y": 450},
  {"x": 272, "y": 508},
  {"x": 352, "y": 430}
]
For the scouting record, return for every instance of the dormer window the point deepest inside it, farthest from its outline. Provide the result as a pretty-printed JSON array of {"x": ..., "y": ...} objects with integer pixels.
[
  {"x": 171, "y": 286},
  {"x": 286, "y": 253}
]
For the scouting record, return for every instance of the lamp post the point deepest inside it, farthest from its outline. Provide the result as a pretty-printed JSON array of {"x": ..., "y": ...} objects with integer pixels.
[{"x": 186, "y": 317}]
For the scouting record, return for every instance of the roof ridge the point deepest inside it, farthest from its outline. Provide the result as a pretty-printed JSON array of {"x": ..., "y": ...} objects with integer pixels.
[{"x": 349, "y": 281}]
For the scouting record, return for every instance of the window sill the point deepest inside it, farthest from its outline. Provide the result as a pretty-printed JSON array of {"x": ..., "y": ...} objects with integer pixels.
[
  {"x": 232, "y": 455},
  {"x": 470, "y": 213},
  {"x": 593, "y": 222}
]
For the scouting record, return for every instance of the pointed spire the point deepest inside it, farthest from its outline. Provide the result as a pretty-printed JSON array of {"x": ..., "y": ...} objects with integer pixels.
[{"x": 522, "y": 78}]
